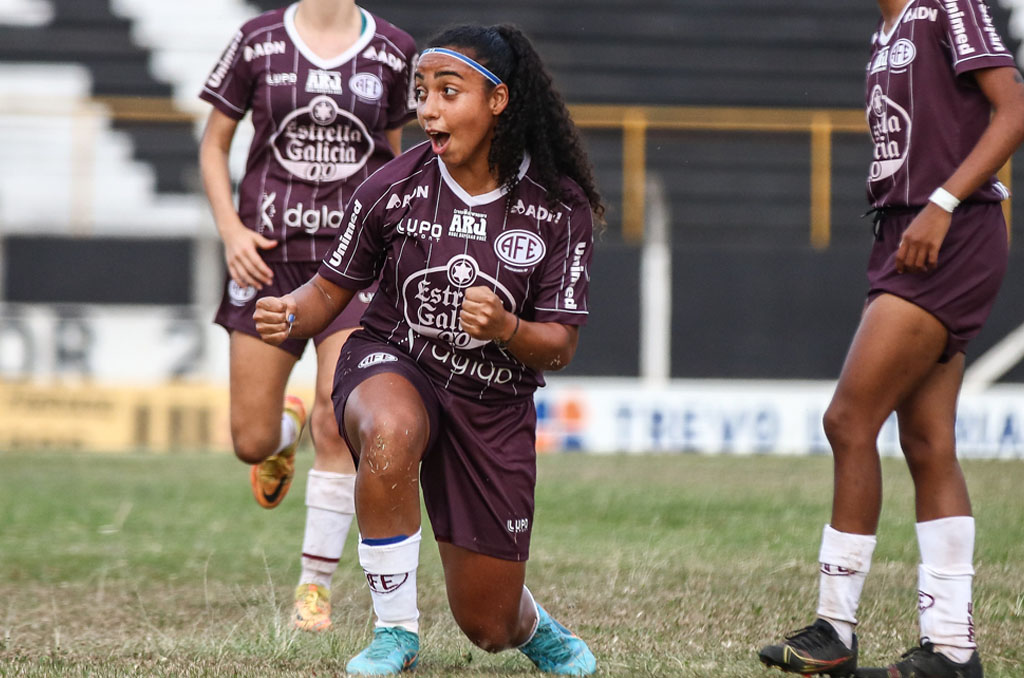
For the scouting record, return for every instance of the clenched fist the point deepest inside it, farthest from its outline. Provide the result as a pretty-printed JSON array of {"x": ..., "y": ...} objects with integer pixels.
[
  {"x": 274, "y": 317},
  {"x": 484, "y": 317}
]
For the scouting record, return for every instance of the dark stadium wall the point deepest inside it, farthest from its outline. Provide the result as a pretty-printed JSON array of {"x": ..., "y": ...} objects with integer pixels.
[
  {"x": 58, "y": 270},
  {"x": 750, "y": 313}
]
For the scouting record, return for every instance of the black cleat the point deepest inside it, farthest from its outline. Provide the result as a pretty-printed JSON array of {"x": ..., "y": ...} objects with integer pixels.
[
  {"x": 813, "y": 650},
  {"x": 925, "y": 662}
]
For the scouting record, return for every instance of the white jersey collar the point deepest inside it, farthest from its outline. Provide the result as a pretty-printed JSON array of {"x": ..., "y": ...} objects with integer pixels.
[
  {"x": 483, "y": 198},
  {"x": 883, "y": 37},
  {"x": 364, "y": 39}
]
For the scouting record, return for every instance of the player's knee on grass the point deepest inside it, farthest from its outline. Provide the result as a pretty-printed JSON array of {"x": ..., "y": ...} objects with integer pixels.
[{"x": 490, "y": 630}]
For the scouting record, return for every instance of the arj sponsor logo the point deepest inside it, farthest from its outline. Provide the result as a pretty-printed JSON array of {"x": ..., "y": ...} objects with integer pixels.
[{"x": 323, "y": 82}]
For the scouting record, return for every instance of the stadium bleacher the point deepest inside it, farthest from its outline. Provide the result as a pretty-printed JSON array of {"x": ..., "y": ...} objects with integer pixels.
[
  {"x": 737, "y": 53},
  {"x": 741, "y": 190}
]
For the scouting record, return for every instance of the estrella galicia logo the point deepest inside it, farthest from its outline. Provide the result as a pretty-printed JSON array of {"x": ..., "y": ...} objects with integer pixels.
[
  {"x": 240, "y": 296},
  {"x": 924, "y": 601},
  {"x": 376, "y": 359}
]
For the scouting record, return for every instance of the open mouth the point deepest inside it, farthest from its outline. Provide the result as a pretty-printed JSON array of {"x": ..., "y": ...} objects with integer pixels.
[{"x": 439, "y": 141}]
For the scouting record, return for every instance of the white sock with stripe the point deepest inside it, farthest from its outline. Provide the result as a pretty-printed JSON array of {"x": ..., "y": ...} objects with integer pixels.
[
  {"x": 390, "y": 568},
  {"x": 845, "y": 560},
  {"x": 330, "y": 508},
  {"x": 944, "y": 585}
]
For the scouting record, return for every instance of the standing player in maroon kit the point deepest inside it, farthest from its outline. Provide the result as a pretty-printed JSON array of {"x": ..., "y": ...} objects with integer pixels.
[
  {"x": 482, "y": 239},
  {"x": 329, "y": 88},
  {"x": 945, "y": 107}
]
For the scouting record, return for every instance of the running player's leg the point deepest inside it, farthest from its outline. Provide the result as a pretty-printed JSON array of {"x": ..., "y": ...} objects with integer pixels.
[
  {"x": 945, "y": 530},
  {"x": 330, "y": 497},
  {"x": 894, "y": 349},
  {"x": 497, "y": 612},
  {"x": 259, "y": 373},
  {"x": 265, "y": 426},
  {"x": 388, "y": 425}
]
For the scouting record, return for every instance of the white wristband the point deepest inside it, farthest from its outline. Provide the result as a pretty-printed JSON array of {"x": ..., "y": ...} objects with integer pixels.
[{"x": 944, "y": 199}]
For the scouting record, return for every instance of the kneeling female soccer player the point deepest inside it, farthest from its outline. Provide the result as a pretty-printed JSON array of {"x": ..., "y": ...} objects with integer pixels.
[{"x": 482, "y": 238}]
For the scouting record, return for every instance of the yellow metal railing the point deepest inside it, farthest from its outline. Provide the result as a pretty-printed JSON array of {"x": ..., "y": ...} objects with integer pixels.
[
  {"x": 634, "y": 122},
  {"x": 820, "y": 124}
]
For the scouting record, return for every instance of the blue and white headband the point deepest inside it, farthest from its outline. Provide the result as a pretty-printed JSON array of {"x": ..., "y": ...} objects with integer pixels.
[{"x": 494, "y": 80}]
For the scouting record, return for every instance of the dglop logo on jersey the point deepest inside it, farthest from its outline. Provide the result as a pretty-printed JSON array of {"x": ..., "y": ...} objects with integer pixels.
[
  {"x": 433, "y": 298},
  {"x": 322, "y": 142}
]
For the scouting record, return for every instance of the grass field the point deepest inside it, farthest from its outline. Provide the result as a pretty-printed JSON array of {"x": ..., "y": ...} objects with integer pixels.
[{"x": 667, "y": 565}]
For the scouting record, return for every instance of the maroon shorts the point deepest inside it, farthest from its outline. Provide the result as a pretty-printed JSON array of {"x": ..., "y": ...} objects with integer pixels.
[
  {"x": 961, "y": 290},
  {"x": 237, "y": 304},
  {"x": 480, "y": 467}
]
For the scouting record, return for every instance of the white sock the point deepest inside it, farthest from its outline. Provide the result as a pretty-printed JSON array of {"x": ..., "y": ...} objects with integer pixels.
[
  {"x": 391, "y": 573},
  {"x": 289, "y": 432},
  {"x": 944, "y": 585},
  {"x": 536, "y": 622},
  {"x": 845, "y": 560},
  {"x": 331, "y": 506}
]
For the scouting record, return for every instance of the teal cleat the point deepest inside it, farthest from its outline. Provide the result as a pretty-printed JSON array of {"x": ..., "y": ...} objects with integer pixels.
[
  {"x": 392, "y": 650},
  {"x": 556, "y": 649}
]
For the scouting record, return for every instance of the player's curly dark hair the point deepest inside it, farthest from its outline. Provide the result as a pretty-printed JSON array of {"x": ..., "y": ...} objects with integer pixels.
[{"x": 535, "y": 119}]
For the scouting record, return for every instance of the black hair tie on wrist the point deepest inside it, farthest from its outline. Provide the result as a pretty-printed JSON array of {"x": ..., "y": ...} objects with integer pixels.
[{"x": 504, "y": 343}]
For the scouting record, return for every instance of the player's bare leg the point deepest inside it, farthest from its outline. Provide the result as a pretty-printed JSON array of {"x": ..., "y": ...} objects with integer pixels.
[
  {"x": 496, "y": 612},
  {"x": 263, "y": 432},
  {"x": 330, "y": 498},
  {"x": 927, "y": 420},
  {"x": 387, "y": 422},
  {"x": 894, "y": 350},
  {"x": 945, "y": 531}
]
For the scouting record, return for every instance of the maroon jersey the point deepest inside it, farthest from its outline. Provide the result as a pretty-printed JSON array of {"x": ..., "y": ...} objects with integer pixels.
[
  {"x": 319, "y": 124},
  {"x": 924, "y": 114},
  {"x": 430, "y": 240}
]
